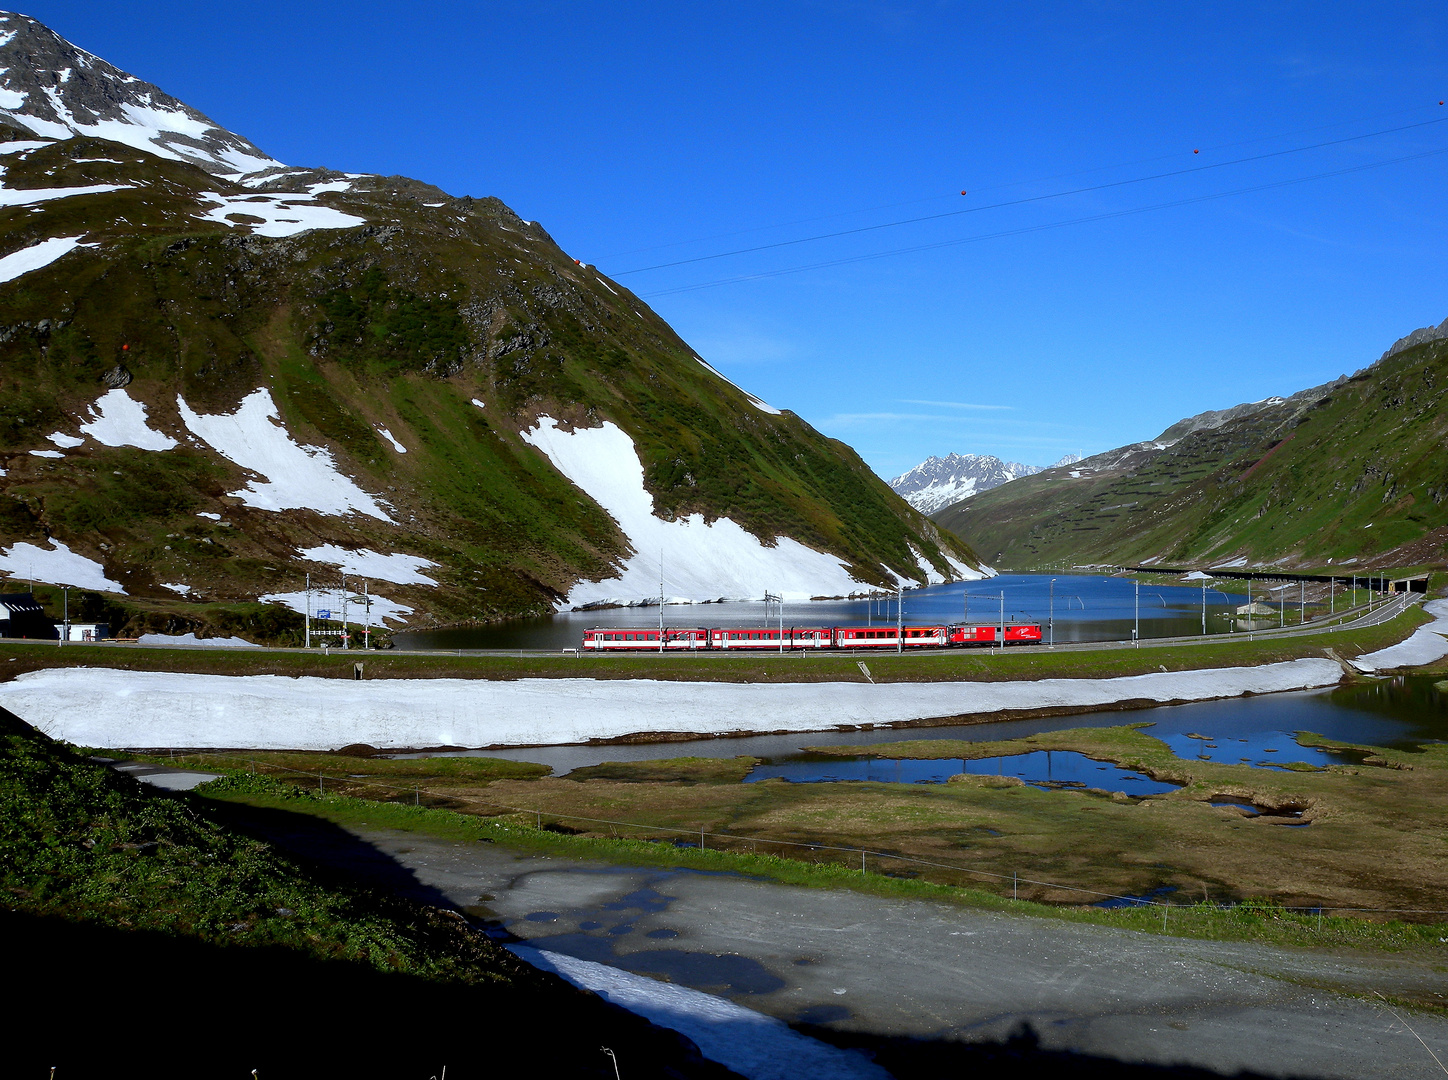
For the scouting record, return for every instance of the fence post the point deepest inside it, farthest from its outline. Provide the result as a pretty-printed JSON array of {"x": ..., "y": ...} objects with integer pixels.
[
  {"x": 701, "y": 839},
  {"x": 540, "y": 818},
  {"x": 417, "y": 795},
  {"x": 862, "y": 862},
  {"x": 1013, "y": 884},
  {"x": 319, "y": 783}
]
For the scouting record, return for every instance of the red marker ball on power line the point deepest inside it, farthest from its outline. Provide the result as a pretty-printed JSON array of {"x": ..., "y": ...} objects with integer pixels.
[
  {"x": 962, "y": 193},
  {"x": 125, "y": 348},
  {"x": 1196, "y": 151}
]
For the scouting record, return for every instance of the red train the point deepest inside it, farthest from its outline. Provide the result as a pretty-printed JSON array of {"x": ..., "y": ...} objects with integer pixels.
[{"x": 693, "y": 639}]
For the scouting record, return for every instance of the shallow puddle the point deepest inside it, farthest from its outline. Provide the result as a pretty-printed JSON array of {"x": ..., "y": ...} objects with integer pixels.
[{"x": 1039, "y": 768}]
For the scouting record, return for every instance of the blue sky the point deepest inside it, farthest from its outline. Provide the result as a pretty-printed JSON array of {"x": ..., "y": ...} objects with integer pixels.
[{"x": 646, "y": 133}]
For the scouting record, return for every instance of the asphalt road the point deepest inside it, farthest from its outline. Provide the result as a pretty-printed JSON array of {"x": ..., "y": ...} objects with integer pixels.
[{"x": 908, "y": 968}]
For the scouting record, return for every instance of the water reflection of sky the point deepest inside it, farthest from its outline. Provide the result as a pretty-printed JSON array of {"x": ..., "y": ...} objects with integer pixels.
[
  {"x": 1385, "y": 717},
  {"x": 1041, "y": 768},
  {"x": 1085, "y": 607}
]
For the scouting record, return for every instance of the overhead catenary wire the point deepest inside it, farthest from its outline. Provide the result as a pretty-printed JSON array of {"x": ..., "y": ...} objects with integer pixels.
[
  {"x": 1046, "y": 226},
  {"x": 1025, "y": 200},
  {"x": 1018, "y": 183}
]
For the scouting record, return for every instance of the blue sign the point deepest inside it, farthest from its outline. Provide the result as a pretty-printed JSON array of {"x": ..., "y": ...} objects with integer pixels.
[{"x": 324, "y": 613}]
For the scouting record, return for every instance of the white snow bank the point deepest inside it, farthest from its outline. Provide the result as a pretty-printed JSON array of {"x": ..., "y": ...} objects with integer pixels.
[
  {"x": 36, "y": 256},
  {"x": 1196, "y": 575},
  {"x": 104, "y": 707},
  {"x": 120, "y": 420},
  {"x": 58, "y": 566},
  {"x": 397, "y": 568},
  {"x": 176, "y": 587},
  {"x": 46, "y": 453},
  {"x": 192, "y": 639},
  {"x": 30, "y": 196},
  {"x": 382, "y": 608},
  {"x": 64, "y": 441},
  {"x": 749, "y": 1043},
  {"x": 703, "y": 562},
  {"x": 1233, "y": 565},
  {"x": 282, "y": 215},
  {"x": 1425, "y": 646},
  {"x": 388, "y": 436},
  {"x": 20, "y": 144},
  {"x": 761, "y": 405},
  {"x": 294, "y": 477}
]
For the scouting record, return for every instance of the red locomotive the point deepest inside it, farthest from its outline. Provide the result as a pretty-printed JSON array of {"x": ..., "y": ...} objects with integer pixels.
[{"x": 793, "y": 638}]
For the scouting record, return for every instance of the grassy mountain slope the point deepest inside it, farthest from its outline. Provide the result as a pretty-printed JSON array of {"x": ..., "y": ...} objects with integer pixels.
[
  {"x": 402, "y": 322},
  {"x": 1351, "y": 471}
]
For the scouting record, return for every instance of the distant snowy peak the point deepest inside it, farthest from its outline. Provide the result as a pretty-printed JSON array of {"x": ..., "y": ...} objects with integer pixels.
[
  {"x": 56, "y": 90},
  {"x": 937, "y": 483}
]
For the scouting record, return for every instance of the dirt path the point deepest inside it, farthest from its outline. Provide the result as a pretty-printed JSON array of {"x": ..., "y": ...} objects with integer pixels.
[{"x": 849, "y": 962}]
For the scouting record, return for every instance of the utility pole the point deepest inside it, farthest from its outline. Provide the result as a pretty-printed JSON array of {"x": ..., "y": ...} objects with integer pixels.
[
  {"x": 900, "y": 616},
  {"x": 346, "y": 641},
  {"x": 366, "y": 616},
  {"x": 661, "y": 600},
  {"x": 1301, "y": 602},
  {"x": 307, "y": 639},
  {"x": 1204, "y": 607},
  {"x": 1003, "y": 621},
  {"x": 1051, "y": 617},
  {"x": 65, "y": 614},
  {"x": 1331, "y": 596},
  {"x": 1136, "y": 626}
]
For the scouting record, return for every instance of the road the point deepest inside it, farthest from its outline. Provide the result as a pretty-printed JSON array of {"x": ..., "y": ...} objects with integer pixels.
[{"x": 850, "y": 962}]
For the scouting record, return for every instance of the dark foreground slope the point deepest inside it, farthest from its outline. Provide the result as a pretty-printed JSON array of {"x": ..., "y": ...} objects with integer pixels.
[
  {"x": 144, "y": 937},
  {"x": 1352, "y": 472}
]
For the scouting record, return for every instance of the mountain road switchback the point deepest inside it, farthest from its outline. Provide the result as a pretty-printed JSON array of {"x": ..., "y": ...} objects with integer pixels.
[{"x": 834, "y": 962}]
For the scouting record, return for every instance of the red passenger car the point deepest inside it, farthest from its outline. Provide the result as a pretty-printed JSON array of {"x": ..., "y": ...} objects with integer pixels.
[{"x": 626, "y": 638}]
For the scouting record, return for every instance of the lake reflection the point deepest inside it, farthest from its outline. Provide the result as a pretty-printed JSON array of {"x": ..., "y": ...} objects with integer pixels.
[{"x": 1086, "y": 608}]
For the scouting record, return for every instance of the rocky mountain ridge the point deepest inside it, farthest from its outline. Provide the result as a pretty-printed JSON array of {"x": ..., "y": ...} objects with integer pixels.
[
  {"x": 938, "y": 482},
  {"x": 1344, "y": 473},
  {"x": 214, "y": 383}
]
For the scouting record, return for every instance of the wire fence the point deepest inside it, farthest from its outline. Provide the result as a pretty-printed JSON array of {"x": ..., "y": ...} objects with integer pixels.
[{"x": 864, "y": 854}]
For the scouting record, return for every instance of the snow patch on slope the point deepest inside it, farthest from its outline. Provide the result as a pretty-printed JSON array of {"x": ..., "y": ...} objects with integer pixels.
[
  {"x": 1424, "y": 646},
  {"x": 105, "y": 707},
  {"x": 293, "y": 477},
  {"x": 282, "y": 215},
  {"x": 38, "y": 255},
  {"x": 120, "y": 420},
  {"x": 396, "y": 568},
  {"x": 701, "y": 561},
  {"x": 761, "y": 405},
  {"x": 382, "y": 608},
  {"x": 58, "y": 566}
]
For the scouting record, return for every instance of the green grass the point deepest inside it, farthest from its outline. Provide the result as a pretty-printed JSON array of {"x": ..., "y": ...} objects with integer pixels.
[
  {"x": 1354, "y": 477},
  {"x": 1253, "y": 920}
]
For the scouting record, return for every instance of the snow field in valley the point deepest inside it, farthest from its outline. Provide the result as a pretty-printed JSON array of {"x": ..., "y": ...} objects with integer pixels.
[
  {"x": 105, "y": 707},
  {"x": 701, "y": 562},
  {"x": 1425, "y": 646},
  {"x": 750, "y": 1043}
]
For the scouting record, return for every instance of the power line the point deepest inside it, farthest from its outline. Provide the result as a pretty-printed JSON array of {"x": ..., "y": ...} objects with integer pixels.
[
  {"x": 1029, "y": 199},
  {"x": 1025, "y": 229},
  {"x": 1015, "y": 183}
]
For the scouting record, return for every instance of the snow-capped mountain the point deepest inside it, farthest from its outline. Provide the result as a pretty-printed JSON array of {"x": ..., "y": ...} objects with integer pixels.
[
  {"x": 58, "y": 91},
  {"x": 937, "y": 482},
  {"x": 442, "y": 401}
]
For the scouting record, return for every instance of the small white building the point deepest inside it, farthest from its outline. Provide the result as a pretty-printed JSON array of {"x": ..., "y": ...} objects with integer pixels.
[{"x": 88, "y": 631}]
